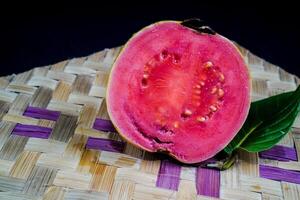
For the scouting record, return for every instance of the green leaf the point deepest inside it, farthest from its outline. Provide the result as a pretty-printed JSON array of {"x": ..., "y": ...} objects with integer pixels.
[{"x": 268, "y": 121}]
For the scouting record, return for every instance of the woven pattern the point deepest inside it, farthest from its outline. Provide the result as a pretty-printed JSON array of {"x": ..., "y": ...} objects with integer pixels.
[{"x": 56, "y": 142}]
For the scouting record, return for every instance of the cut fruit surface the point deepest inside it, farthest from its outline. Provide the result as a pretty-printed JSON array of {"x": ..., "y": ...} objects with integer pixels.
[{"x": 176, "y": 90}]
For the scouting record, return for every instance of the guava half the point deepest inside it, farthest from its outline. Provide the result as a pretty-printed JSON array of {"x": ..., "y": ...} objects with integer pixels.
[{"x": 178, "y": 90}]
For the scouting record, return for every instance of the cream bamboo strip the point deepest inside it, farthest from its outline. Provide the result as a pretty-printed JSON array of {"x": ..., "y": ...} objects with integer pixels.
[
  {"x": 60, "y": 66},
  {"x": 150, "y": 193},
  {"x": 65, "y": 107},
  {"x": 234, "y": 194},
  {"x": 290, "y": 190},
  {"x": 5, "y": 167},
  {"x": 72, "y": 179},
  {"x": 45, "y": 146},
  {"x": 24, "y": 164},
  {"x": 61, "y": 76},
  {"x": 74, "y": 194},
  {"x": 119, "y": 160},
  {"x": 122, "y": 190},
  {"x": 19, "y": 105},
  {"x": 187, "y": 190},
  {"x": 62, "y": 92},
  {"x": 42, "y": 81},
  {"x": 54, "y": 192},
  {"x": 126, "y": 174},
  {"x": 103, "y": 177},
  {"x": 87, "y": 116},
  {"x": 28, "y": 120}
]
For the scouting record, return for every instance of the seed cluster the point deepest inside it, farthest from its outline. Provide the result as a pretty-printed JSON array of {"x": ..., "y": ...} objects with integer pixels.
[{"x": 209, "y": 84}]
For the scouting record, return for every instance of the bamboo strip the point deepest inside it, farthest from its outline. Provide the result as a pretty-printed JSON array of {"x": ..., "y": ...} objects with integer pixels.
[
  {"x": 93, "y": 65},
  {"x": 45, "y": 146},
  {"x": 98, "y": 91},
  {"x": 61, "y": 76},
  {"x": 256, "y": 184},
  {"x": 21, "y": 88},
  {"x": 58, "y": 67},
  {"x": 62, "y": 92},
  {"x": 82, "y": 84},
  {"x": 85, "y": 100},
  {"x": 5, "y": 167},
  {"x": 119, "y": 160},
  {"x": 287, "y": 140},
  {"x": 4, "y": 81},
  {"x": 88, "y": 161},
  {"x": 42, "y": 82},
  {"x": 150, "y": 193},
  {"x": 24, "y": 164},
  {"x": 54, "y": 192},
  {"x": 22, "y": 77},
  {"x": 234, "y": 194},
  {"x": 270, "y": 197},
  {"x": 28, "y": 120},
  {"x": 79, "y": 70},
  {"x": 74, "y": 194},
  {"x": 12, "y": 195},
  {"x": 248, "y": 163},
  {"x": 150, "y": 165},
  {"x": 134, "y": 151},
  {"x": 7, "y": 96},
  {"x": 40, "y": 71},
  {"x": 89, "y": 132},
  {"x": 103, "y": 177},
  {"x": 5, "y": 130},
  {"x": 38, "y": 181},
  {"x": 65, "y": 107},
  {"x": 41, "y": 97},
  {"x": 230, "y": 178},
  {"x": 64, "y": 128},
  {"x": 87, "y": 116},
  {"x": 13, "y": 147},
  {"x": 11, "y": 184},
  {"x": 188, "y": 173},
  {"x": 72, "y": 180},
  {"x": 126, "y": 174},
  {"x": 102, "y": 113},
  {"x": 122, "y": 190},
  {"x": 56, "y": 161},
  {"x": 290, "y": 190},
  {"x": 187, "y": 190},
  {"x": 20, "y": 104}
]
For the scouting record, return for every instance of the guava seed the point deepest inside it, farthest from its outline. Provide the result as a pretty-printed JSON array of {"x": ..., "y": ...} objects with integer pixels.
[
  {"x": 213, "y": 108},
  {"x": 200, "y": 119},
  {"x": 208, "y": 64}
]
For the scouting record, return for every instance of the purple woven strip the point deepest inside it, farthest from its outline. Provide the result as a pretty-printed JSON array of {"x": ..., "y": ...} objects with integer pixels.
[
  {"x": 278, "y": 174},
  {"x": 105, "y": 145},
  {"x": 208, "y": 182},
  {"x": 280, "y": 153},
  {"x": 168, "y": 175},
  {"x": 41, "y": 113},
  {"x": 32, "y": 131},
  {"x": 104, "y": 125}
]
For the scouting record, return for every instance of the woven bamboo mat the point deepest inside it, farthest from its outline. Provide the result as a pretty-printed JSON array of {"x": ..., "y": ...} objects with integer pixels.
[{"x": 56, "y": 142}]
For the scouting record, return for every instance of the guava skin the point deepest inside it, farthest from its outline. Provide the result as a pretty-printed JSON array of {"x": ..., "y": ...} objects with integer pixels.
[{"x": 176, "y": 90}]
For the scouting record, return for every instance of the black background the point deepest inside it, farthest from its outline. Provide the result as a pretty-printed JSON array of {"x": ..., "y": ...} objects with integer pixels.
[{"x": 32, "y": 37}]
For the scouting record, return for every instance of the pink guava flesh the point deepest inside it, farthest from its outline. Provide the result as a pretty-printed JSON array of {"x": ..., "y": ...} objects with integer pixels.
[{"x": 179, "y": 91}]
